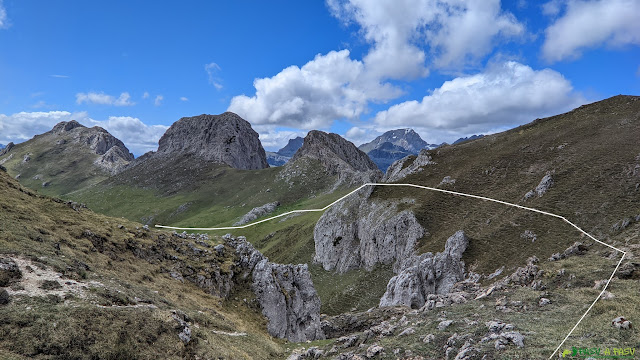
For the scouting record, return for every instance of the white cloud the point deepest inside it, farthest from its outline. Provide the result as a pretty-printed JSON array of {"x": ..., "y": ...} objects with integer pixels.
[
  {"x": 145, "y": 95},
  {"x": 361, "y": 135},
  {"x": 184, "y": 98},
  {"x": 273, "y": 138},
  {"x": 552, "y": 8},
  {"x": 212, "y": 69},
  {"x": 4, "y": 20},
  {"x": 329, "y": 87},
  {"x": 137, "y": 136},
  {"x": 59, "y": 76},
  {"x": 589, "y": 24},
  {"x": 455, "y": 31},
  {"x": 503, "y": 96},
  {"x": 103, "y": 99},
  {"x": 158, "y": 100}
]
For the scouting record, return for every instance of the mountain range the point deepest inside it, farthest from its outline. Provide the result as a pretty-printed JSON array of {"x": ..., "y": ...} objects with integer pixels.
[{"x": 387, "y": 272}]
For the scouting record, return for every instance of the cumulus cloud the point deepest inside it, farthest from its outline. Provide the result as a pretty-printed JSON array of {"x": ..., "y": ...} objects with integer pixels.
[
  {"x": 136, "y": 135},
  {"x": 146, "y": 95},
  {"x": 212, "y": 70},
  {"x": 4, "y": 20},
  {"x": 329, "y": 87},
  {"x": 274, "y": 138},
  {"x": 405, "y": 36},
  {"x": 454, "y": 31},
  {"x": 504, "y": 95},
  {"x": 103, "y": 99},
  {"x": 589, "y": 24},
  {"x": 184, "y": 98},
  {"x": 360, "y": 135},
  {"x": 158, "y": 100}
]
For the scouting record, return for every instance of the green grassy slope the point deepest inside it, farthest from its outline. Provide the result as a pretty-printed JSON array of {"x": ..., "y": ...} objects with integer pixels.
[
  {"x": 593, "y": 154},
  {"x": 65, "y": 168},
  {"x": 127, "y": 305}
]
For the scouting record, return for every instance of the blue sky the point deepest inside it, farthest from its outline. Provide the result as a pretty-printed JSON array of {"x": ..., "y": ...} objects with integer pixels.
[{"x": 447, "y": 68}]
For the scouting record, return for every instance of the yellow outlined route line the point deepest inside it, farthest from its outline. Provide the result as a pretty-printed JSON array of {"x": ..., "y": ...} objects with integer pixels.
[{"x": 446, "y": 192}]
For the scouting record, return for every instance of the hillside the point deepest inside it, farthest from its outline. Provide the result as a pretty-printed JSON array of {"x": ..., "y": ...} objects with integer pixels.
[
  {"x": 69, "y": 157},
  {"x": 91, "y": 286}
]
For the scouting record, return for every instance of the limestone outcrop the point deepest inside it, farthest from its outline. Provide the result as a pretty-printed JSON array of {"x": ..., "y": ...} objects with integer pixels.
[{"x": 427, "y": 274}]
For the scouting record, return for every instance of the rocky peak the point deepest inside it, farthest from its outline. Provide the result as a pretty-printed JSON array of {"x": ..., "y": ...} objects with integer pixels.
[
  {"x": 292, "y": 146},
  {"x": 114, "y": 155},
  {"x": 407, "y": 139},
  {"x": 225, "y": 138},
  {"x": 65, "y": 126},
  {"x": 329, "y": 147}
]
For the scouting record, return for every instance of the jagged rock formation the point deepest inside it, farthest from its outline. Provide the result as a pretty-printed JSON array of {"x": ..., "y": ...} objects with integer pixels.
[
  {"x": 394, "y": 145},
  {"x": 225, "y": 138},
  {"x": 427, "y": 274},
  {"x": 285, "y": 292},
  {"x": 257, "y": 212},
  {"x": 292, "y": 146},
  {"x": 357, "y": 233},
  {"x": 409, "y": 165},
  {"x": 338, "y": 157}
]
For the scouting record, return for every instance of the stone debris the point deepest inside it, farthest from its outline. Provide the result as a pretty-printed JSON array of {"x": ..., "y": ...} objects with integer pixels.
[
  {"x": 544, "y": 185},
  {"x": 257, "y": 212},
  {"x": 621, "y": 323},
  {"x": 577, "y": 248}
]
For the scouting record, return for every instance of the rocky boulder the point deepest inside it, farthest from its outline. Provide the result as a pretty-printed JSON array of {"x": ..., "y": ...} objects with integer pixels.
[
  {"x": 225, "y": 138},
  {"x": 409, "y": 165},
  {"x": 286, "y": 293},
  {"x": 257, "y": 212},
  {"x": 427, "y": 274},
  {"x": 358, "y": 233}
]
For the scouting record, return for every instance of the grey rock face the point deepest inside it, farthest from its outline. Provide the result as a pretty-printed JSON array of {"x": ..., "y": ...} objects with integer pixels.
[
  {"x": 427, "y": 274},
  {"x": 404, "y": 167},
  {"x": 360, "y": 234},
  {"x": 285, "y": 292},
  {"x": 288, "y": 300},
  {"x": 225, "y": 138},
  {"x": 257, "y": 212},
  {"x": 339, "y": 157}
]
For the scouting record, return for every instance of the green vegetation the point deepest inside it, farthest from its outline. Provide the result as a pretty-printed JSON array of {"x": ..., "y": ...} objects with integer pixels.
[
  {"x": 53, "y": 168},
  {"x": 126, "y": 310}
]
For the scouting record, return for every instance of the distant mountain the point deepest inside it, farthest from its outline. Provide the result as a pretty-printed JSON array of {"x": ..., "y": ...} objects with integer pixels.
[
  {"x": 274, "y": 159},
  {"x": 68, "y": 157},
  {"x": 292, "y": 146},
  {"x": 394, "y": 145},
  {"x": 1, "y": 146},
  {"x": 472, "y": 137}
]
